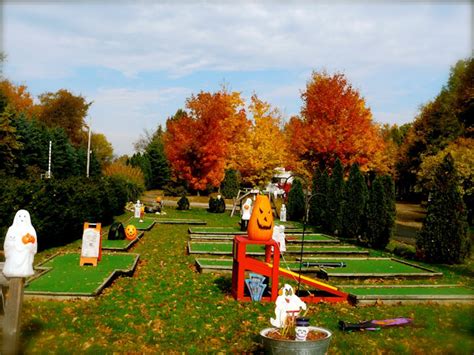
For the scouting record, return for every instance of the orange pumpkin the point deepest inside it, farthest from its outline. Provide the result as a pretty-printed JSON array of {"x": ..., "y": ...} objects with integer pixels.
[
  {"x": 261, "y": 221},
  {"x": 131, "y": 232}
]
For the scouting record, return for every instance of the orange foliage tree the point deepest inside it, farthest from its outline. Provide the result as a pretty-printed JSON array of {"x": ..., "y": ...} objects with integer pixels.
[
  {"x": 198, "y": 141},
  {"x": 18, "y": 97},
  {"x": 334, "y": 123},
  {"x": 264, "y": 147}
]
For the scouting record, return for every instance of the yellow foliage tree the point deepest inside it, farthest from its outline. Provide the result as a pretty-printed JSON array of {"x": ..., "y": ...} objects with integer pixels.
[
  {"x": 264, "y": 146},
  {"x": 127, "y": 172}
]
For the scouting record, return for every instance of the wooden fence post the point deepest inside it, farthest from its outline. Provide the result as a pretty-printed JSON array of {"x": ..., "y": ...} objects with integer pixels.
[{"x": 11, "y": 320}]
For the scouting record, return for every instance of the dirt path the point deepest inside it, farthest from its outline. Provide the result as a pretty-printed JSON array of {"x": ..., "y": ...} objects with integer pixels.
[{"x": 408, "y": 222}]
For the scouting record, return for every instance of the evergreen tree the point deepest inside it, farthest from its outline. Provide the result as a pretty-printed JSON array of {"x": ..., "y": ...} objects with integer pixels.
[
  {"x": 159, "y": 165},
  {"x": 318, "y": 201},
  {"x": 63, "y": 157},
  {"x": 296, "y": 201},
  {"x": 141, "y": 161},
  {"x": 375, "y": 231},
  {"x": 335, "y": 199},
  {"x": 230, "y": 185},
  {"x": 355, "y": 196},
  {"x": 444, "y": 235},
  {"x": 390, "y": 205}
]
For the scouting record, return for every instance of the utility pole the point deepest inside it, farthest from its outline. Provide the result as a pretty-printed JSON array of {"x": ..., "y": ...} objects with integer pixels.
[
  {"x": 48, "y": 173},
  {"x": 89, "y": 148}
]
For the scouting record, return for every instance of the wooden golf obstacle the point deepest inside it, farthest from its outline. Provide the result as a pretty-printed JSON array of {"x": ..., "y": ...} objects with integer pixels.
[{"x": 270, "y": 268}]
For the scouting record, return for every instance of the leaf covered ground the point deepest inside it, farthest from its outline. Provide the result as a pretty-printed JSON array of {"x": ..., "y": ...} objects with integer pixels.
[{"x": 168, "y": 307}]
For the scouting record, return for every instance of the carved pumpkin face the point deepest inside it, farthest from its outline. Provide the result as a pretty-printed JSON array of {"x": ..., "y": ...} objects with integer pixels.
[
  {"x": 261, "y": 221},
  {"x": 130, "y": 232}
]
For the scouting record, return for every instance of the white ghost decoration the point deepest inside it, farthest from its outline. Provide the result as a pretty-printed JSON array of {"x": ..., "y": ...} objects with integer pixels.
[
  {"x": 247, "y": 209},
  {"x": 287, "y": 304},
  {"x": 279, "y": 236},
  {"x": 20, "y": 247},
  {"x": 283, "y": 213},
  {"x": 137, "y": 209}
]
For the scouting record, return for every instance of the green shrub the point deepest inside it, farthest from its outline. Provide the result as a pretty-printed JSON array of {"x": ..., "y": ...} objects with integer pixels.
[
  {"x": 59, "y": 208},
  {"x": 216, "y": 205},
  {"x": 183, "y": 203},
  {"x": 230, "y": 185},
  {"x": 444, "y": 235},
  {"x": 296, "y": 201}
]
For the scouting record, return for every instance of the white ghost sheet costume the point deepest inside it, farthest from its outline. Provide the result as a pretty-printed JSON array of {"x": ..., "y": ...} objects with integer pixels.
[
  {"x": 283, "y": 213},
  {"x": 247, "y": 209},
  {"x": 287, "y": 304},
  {"x": 20, "y": 247},
  {"x": 279, "y": 236}
]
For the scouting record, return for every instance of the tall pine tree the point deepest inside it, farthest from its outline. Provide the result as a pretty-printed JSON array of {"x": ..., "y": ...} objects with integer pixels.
[
  {"x": 335, "y": 199},
  {"x": 296, "y": 201},
  {"x": 355, "y": 196},
  {"x": 318, "y": 203},
  {"x": 444, "y": 235},
  {"x": 375, "y": 231}
]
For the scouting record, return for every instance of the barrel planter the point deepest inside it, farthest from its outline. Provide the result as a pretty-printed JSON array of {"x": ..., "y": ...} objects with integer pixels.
[{"x": 288, "y": 347}]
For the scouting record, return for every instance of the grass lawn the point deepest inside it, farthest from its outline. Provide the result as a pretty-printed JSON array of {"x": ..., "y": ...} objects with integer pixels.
[{"x": 168, "y": 307}]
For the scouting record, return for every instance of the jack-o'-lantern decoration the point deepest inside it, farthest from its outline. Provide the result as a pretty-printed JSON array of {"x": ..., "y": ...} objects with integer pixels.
[
  {"x": 130, "y": 232},
  {"x": 261, "y": 221}
]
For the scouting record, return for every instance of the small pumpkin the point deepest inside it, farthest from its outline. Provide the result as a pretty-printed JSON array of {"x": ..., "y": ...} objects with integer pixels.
[
  {"x": 261, "y": 221},
  {"x": 28, "y": 238},
  {"x": 131, "y": 232}
]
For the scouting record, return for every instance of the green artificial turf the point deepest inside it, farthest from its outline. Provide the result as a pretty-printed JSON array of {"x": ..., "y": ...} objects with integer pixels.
[
  {"x": 216, "y": 230},
  {"x": 226, "y": 248},
  {"x": 409, "y": 291},
  {"x": 147, "y": 223},
  {"x": 310, "y": 238},
  {"x": 179, "y": 221},
  {"x": 68, "y": 277},
  {"x": 370, "y": 266}
]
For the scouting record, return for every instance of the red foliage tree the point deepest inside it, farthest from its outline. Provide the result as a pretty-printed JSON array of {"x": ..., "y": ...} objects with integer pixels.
[
  {"x": 334, "y": 123},
  {"x": 198, "y": 142}
]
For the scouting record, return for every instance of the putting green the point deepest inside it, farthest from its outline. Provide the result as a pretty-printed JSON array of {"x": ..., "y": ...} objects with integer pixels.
[
  {"x": 428, "y": 290},
  {"x": 208, "y": 264},
  {"x": 120, "y": 244},
  {"x": 223, "y": 248},
  {"x": 64, "y": 276},
  {"x": 310, "y": 238},
  {"x": 180, "y": 221},
  {"x": 146, "y": 225},
  {"x": 216, "y": 230},
  {"x": 373, "y": 267}
]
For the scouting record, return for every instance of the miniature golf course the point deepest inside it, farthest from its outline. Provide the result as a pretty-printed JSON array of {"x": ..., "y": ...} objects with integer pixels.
[
  {"x": 63, "y": 276},
  {"x": 236, "y": 230},
  {"x": 179, "y": 221},
  {"x": 352, "y": 263}
]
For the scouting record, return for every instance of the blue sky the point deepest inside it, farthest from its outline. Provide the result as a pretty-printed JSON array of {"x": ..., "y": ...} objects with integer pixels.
[{"x": 138, "y": 61}]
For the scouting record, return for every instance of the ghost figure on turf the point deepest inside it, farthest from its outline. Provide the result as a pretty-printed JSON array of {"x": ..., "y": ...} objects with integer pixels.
[
  {"x": 279, "y": 237},
  {"x": 137, "y": 210},
  {"x": 246, "y": 213},
  {"x": 20, "y": 246},
  {"x": 283, "y": 213},
  {"x": 287, "y": 305}
]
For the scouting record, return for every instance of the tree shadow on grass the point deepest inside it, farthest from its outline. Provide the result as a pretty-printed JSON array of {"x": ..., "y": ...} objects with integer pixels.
[{"x": 224, "y": 283}]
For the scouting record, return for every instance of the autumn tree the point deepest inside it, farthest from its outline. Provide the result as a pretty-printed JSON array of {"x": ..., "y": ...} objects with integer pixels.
[
  {"x": 18, "y": 97},
  {"x": 9, "y": 144},
  {"x": 440, "y": 121},
  {"x": 102, "y": 149},
  {"x": 264, "y": 147},
  {"x": 67, "y": 111},
  {"x": 335, "y": 123},
  {"x": 198, "y": 141}
]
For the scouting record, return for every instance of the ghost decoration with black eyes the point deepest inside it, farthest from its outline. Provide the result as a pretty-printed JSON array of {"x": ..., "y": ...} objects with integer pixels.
[
  {"x": 20, "y": 246},
  {"x": 287, "y": 305}
]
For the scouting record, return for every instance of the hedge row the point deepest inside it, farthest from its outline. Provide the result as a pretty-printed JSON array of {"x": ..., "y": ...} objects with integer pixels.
[{"x": 59, "y": 208}]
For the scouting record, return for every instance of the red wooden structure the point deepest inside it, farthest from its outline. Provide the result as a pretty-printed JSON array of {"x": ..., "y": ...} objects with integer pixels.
[{"x": 271, "y": 269}]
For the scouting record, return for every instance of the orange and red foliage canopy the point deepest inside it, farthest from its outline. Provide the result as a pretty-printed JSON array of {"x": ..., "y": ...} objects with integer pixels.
[
  {"x": 198, "y": 142},
  {"x": 334, "y": 123}
]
